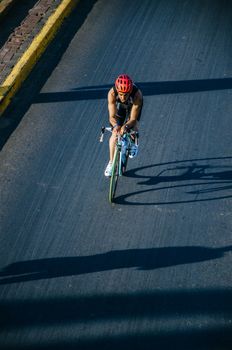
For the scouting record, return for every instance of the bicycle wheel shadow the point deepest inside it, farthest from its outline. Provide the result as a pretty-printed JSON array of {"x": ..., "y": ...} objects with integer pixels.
[{"x": 188, "y": 181}]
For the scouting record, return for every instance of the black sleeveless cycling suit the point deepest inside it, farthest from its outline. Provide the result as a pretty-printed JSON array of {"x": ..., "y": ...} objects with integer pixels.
[{"x": 124, "y": 109}]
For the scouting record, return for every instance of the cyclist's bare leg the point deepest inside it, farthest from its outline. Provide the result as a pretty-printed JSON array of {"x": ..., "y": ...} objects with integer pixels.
[
  {"x": 136, "y": 129},
  {"x": 112, "y": 143}
]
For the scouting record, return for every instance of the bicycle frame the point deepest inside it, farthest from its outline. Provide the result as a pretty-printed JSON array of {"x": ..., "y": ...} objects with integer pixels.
[
  {"x": 119, "y": 164},
  {"x": 123, "y": 153}
]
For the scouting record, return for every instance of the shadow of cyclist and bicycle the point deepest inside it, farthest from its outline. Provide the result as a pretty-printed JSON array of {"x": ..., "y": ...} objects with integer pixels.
[{"x": 193, "y": 180}]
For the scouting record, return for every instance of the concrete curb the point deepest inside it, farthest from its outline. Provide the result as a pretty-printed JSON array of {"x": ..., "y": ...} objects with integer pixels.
[
  {"x": 5, "y": 6},
  {"x": 29, "y": 58}
]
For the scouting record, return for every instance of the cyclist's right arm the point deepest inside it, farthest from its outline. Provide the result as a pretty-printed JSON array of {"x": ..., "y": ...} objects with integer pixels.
[{"x": 112, "y": 110}]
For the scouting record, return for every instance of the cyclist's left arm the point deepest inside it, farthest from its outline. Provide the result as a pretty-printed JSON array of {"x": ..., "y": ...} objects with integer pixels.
[{"x": 135, "y": 110}]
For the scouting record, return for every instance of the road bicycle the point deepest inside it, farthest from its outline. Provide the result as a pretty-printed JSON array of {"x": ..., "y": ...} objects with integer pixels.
[{"x": 121, "y": 154}]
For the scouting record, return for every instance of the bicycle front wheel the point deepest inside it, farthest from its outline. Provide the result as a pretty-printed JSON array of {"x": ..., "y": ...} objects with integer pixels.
[{"x": 114, "y": 176}]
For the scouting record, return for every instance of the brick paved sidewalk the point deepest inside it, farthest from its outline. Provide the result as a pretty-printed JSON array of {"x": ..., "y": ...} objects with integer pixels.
[{"x": 23, "y": 35}]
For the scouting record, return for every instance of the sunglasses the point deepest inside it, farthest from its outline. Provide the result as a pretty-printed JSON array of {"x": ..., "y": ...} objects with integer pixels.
[{"x": 123, "y": 93}]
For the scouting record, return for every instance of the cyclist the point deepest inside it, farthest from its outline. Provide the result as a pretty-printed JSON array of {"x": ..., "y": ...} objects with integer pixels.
[{"x": 125, "y": 101}]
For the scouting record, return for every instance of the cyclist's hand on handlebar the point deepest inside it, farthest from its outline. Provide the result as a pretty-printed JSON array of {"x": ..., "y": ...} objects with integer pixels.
[
  {"x": 124, "y": 129},
  {"x": 117, "y": 129}
]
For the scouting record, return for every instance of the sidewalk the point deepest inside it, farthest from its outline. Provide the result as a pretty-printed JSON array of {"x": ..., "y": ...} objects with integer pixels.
[{"x": 27, "y": 42}]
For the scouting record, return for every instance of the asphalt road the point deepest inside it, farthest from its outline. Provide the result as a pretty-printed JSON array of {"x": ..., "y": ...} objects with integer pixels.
[{"x": 152, "y": 271}]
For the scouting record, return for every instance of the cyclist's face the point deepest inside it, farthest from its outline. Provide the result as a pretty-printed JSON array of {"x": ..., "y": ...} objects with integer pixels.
[{"x": 123, "y": 97}]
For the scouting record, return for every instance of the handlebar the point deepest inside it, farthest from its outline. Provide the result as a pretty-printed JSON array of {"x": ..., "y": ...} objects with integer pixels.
[
  {"x": 103, "y": 129},
  {"x": 110, "y": 129}
]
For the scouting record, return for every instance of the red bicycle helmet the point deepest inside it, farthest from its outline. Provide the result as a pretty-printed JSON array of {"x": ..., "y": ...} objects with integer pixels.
[{"x": 123, "y": 83}]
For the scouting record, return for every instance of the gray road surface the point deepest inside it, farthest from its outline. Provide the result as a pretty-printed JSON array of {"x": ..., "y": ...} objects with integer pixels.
[{"x": 152, "y": 271}]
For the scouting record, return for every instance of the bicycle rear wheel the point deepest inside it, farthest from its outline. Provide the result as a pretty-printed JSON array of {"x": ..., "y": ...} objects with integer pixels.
[{"x": 114, "y": 176}]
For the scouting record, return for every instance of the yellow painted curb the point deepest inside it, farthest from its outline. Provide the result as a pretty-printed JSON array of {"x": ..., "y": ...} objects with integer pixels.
[
  {"x": 5, "y": 6},
  {"x": 25, "y": 64}
]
